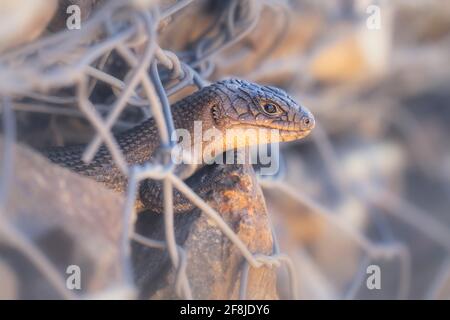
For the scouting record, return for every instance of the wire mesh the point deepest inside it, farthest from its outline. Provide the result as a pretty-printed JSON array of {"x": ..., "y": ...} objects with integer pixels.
[{"x": 59, "y": 62}]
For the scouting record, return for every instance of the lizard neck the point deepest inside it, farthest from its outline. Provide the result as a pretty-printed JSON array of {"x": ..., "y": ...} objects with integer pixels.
[
  {"x": 193, "y": 109},
  {"x": 194, "y": 122},
  {"x": 191, "y": 116}
]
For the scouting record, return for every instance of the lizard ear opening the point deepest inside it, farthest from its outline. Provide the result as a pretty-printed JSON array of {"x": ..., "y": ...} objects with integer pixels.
[{"x": 217, "y": 113}]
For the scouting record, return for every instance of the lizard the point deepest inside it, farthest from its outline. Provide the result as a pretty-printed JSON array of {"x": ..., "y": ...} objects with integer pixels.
[{"x": 227, "y": 106}]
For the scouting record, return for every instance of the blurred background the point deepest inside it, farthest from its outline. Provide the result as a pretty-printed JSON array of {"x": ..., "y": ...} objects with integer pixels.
[{"x": 370, "y": 186}]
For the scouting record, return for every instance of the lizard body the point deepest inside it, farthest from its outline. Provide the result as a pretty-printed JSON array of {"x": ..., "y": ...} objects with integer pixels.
[{"x": 228, "y": 107}]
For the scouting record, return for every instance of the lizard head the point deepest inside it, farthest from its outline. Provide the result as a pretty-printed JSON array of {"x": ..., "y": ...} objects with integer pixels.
[{"x": 245, "y": 105}]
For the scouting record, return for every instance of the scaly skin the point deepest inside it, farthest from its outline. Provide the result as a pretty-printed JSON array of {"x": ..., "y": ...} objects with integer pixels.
[{"x": 225, "y": 106}]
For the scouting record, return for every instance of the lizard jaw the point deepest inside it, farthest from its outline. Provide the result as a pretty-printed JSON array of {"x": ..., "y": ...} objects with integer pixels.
[
  {"x": 283, "y": 135},
  {"x": 287, "y": 135}
]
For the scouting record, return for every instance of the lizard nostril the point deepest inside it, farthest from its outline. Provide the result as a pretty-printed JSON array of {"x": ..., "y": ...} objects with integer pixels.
[{"x": 307, "y": 123}]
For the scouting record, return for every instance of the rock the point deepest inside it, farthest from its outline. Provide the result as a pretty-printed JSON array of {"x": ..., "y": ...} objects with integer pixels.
[
  {"x": 71, "y": 219},
  {"x": 214, "y": 264},
  {"x": 23, "y": 20}
]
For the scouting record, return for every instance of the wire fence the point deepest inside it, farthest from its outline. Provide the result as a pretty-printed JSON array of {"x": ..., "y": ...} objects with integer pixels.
[
  {"x": 58, "y": 61},
  {"x": 78, "y": 58}
]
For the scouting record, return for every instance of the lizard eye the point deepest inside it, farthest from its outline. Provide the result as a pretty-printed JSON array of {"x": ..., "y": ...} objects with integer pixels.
[{"x": 270, "y": 108}]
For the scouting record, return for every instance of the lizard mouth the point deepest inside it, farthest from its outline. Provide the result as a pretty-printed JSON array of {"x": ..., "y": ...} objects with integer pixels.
[
  {"x": 285, "y": 135},
  {"x": 288, "y": 135},
  {"x": 295, "y": 133}
]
